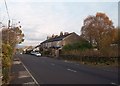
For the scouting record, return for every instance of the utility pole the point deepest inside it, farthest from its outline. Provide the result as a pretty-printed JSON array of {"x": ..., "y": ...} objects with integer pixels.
[
  {"x": 8, "y": 24},
  {"x": 8, "y": 20},
  {"x": 8, "y": 31}
]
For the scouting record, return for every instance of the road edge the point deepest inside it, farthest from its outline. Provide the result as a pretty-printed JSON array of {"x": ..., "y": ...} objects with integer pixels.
[{"x": 29, "y": 73}]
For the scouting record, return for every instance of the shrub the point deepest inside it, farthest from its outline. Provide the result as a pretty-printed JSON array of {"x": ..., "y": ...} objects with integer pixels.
[
  {"x": 78, "y": 46},
  {"x": 6, "y": 61}
]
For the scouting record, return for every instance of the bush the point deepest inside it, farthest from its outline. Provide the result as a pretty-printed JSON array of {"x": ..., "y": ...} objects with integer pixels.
[
  {"x": 89, "y": 56},
  {"x": 78, "y": 46},
  {"x": 6, "y": 55},
  {"x": 6, "y": 61},
  {"x": 46, "y": 53}
]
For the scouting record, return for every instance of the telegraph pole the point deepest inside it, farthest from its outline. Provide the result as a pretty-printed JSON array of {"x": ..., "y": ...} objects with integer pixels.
[
  {"x": 8, "y": 31},
  {"x": 8, "y": 20},
  {"x": 8, "y": 24}
]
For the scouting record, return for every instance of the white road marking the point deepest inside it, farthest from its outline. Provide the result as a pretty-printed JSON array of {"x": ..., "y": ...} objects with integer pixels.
[
  {"x": 71, "y": 70},
  {"x": 30, "y": 83},
  {"x": 23, "y": 76},
  {"x": 16, "y": 62},
  {"x": 30, "y": 74},
  {"x": 114, "y": 84}
]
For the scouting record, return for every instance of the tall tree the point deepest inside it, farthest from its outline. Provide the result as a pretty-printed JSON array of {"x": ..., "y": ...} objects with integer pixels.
[
  {"x": 12, "y": 36},
  {"x": 98, "y": 30}
]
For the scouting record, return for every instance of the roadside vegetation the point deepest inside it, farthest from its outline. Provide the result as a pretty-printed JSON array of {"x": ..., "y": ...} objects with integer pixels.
[
  {"x": 10, "y": 37},
  {"x": 78, "y": 46},
  {"x": 101, "y": 45}
]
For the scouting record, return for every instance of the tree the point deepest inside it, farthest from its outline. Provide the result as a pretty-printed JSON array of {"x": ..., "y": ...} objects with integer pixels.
[
  {"x": 98, "y": 30},
  {"x": 116, "y": 39},
  {"x": 61, "y": 33},
  {"x": 53, "y": 35},
  {"x": 10, "y": 37}
]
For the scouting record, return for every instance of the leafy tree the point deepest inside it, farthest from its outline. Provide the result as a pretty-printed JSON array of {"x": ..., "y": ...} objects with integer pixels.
[{"x": 98, "y": 30}]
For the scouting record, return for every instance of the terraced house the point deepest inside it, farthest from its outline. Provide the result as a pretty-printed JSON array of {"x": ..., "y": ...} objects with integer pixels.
[{"x": 54, "y": 44}]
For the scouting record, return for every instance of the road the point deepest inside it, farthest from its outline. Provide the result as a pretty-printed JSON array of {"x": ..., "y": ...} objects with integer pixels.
[{"x": 52, "y": 71}]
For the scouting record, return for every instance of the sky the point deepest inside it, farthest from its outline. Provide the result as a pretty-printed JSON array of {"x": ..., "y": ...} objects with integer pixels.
[{"x": 40, "y": 19}]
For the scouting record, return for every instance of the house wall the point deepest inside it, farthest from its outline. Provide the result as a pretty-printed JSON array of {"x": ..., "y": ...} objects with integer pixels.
[
  {"x": 67, "y": 40},
  {"x": 49, "y": 44},
  {"x": 56, "y": 43},
  {"x": 71, "y": 39}
]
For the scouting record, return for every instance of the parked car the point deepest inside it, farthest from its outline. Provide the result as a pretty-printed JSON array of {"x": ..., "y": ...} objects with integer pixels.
[{"x": 37, "y": 54}]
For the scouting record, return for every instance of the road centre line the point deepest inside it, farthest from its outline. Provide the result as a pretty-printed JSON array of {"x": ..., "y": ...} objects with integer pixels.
[
  {"x": 30, "y": 74},
  {"x": 23, "y": 76},
  {"x": 114, "y": 84},
  {"x": 71, "y": 70}
]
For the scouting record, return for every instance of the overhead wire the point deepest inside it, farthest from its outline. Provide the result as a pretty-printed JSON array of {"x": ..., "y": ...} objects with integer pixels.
[
  {"x": 8, "y": 39},
  {"x": 7, "y": 9}
]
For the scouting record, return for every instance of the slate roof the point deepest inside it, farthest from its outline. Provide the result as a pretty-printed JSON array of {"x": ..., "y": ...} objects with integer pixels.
[{"x": 56, "y": 38}]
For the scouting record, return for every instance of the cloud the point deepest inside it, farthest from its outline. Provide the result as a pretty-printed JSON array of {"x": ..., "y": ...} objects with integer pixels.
[
  {"x": 63, "y": 0},
  {"x": 30, "y": 43},
  {"x": 42, "y": 19}
]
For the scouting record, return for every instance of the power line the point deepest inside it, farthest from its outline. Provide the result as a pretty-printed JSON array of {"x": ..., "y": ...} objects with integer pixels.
[
  {"x": 7, "y": 9},
  {"x": 8, "y": 20},
  {"x": 7, "y": 14}
]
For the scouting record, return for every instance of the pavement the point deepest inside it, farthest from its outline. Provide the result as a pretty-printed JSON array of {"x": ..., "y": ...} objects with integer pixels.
[{"x": 20, "y": 75}]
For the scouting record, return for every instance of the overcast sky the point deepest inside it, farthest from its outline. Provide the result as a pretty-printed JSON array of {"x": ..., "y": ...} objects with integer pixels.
[{"x": 41, "y": 19}]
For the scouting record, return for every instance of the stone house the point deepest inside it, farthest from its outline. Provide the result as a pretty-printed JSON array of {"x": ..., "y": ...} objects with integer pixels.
[{"x": 56, "y": 43}]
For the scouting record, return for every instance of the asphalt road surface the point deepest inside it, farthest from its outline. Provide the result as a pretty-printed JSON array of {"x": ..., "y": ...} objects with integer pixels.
[{"x": 52, "y": 71}]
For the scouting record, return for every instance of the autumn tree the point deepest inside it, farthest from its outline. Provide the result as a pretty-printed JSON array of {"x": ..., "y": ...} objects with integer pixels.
[
  {"x": 98, "y": 30},
  {"x": 117, "y": 36},
  {"x": 10, "y": 37}
]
